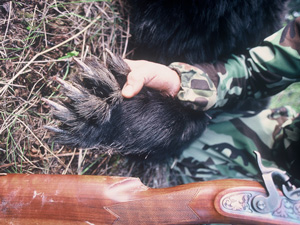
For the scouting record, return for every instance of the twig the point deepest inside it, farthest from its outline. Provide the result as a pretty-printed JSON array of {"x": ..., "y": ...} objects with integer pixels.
[
  {"x": 80, "y": 160},
  {"x": 17, "y": 112},
  {"x": 6, "y": 30},
  {"x": 41, "y": 143},
  {"x": 44, "y": 25},
  {"x": 83, "y": 45},
  {"x": 3, "y": 89},
  {"x": 44, "y": 61},
  {"x": 127, "y": 38},
  {"x": 14, "y": 85},
  {"x": 12, "y": 164},
  {"x": 69, "y": 164}
]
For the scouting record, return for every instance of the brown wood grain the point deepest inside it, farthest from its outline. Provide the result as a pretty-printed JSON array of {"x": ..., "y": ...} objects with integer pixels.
[{"x": 71, "y": 199}]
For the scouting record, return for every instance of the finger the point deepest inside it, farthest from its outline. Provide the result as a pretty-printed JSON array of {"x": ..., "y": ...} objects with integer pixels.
[
  {"x": 133, "y": 85},
  {"x": 131, "y": 63}
]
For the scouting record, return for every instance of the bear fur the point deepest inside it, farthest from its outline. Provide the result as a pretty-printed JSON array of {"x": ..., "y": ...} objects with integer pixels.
[
  {"x": 197, "y": 31},
  {"x": 152, "y": 126}
]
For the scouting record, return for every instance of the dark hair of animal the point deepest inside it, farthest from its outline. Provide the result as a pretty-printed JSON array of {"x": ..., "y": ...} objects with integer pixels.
[
  {"x": 96, "y": 116},
  {"x": 151, "y": 125},
  {"x": 196, "y": 31}
]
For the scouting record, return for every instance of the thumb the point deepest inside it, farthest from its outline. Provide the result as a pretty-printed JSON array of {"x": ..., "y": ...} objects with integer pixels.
[{"x": 133, "y": 85}]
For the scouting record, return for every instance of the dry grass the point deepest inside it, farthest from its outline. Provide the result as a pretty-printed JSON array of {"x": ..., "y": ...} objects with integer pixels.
[{"x": 37, "y": 41}]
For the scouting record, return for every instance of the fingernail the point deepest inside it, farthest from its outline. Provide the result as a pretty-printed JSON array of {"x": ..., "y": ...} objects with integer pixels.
[{"x": 127, "y": 91}]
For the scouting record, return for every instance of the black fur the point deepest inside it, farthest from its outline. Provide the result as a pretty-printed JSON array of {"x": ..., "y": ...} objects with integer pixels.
[
  {"x": 149, "y": 125},
  {"x": 152, "y": 125},
  {"x": 196, "y": 31}
]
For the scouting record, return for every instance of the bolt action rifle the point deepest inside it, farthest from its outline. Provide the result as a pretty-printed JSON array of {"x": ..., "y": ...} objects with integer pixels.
[{"x": 70, "y": 199}]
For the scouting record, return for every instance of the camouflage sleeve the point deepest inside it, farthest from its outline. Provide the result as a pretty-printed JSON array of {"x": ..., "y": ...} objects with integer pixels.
[
  {"x": 264, "y": 71},
  {"x": 197, "y": 89}
]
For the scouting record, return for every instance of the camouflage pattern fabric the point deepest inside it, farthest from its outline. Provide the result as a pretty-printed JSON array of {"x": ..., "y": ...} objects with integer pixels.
[
  {"x": 265, "y": 71},
  {"x": 286, "y": 149},
  {"x": 225, "y": 150},
  {"x": 197, "y": 89}
]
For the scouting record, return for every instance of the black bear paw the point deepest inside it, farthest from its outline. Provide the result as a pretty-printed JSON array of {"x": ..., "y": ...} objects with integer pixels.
[
  {"x": 92, "y": 96},
  {"x": 149, "y": 125}
]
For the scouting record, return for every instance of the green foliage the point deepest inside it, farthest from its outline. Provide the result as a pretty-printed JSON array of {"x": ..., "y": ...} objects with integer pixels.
[
  {"x": 70, "y": 55},
  {"x": 290, "y": 97},
  {"x": 294, "y": 9},
  {"x": 294, "y": 5}
]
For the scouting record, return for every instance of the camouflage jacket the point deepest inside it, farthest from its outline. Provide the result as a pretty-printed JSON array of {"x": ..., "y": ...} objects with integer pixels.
[
  {"x": 225, "y": 150},
  {"x": 264, "y": 71}
]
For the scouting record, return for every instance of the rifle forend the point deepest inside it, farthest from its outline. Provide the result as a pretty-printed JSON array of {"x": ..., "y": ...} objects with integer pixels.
[{"x": 71, "y": 199}]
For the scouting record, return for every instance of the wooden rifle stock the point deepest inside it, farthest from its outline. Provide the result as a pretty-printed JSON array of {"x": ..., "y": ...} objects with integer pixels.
[{"x": 72, "y": 199}]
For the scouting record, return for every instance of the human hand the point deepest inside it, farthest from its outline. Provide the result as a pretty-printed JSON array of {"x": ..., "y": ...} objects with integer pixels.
[{"x": 152, "y": 75}]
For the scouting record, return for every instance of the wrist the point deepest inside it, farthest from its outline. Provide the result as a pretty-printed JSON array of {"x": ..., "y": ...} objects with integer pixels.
[
  {"x": 197, "y": 89},
  {"x": 175, "y": 81}
]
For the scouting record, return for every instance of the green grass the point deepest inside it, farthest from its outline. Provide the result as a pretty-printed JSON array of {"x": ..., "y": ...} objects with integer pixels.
[{"x": 290, "y": 97}]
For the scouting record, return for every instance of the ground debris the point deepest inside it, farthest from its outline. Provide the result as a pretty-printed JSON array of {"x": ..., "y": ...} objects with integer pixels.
[{"x": 29, "y": 28}]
